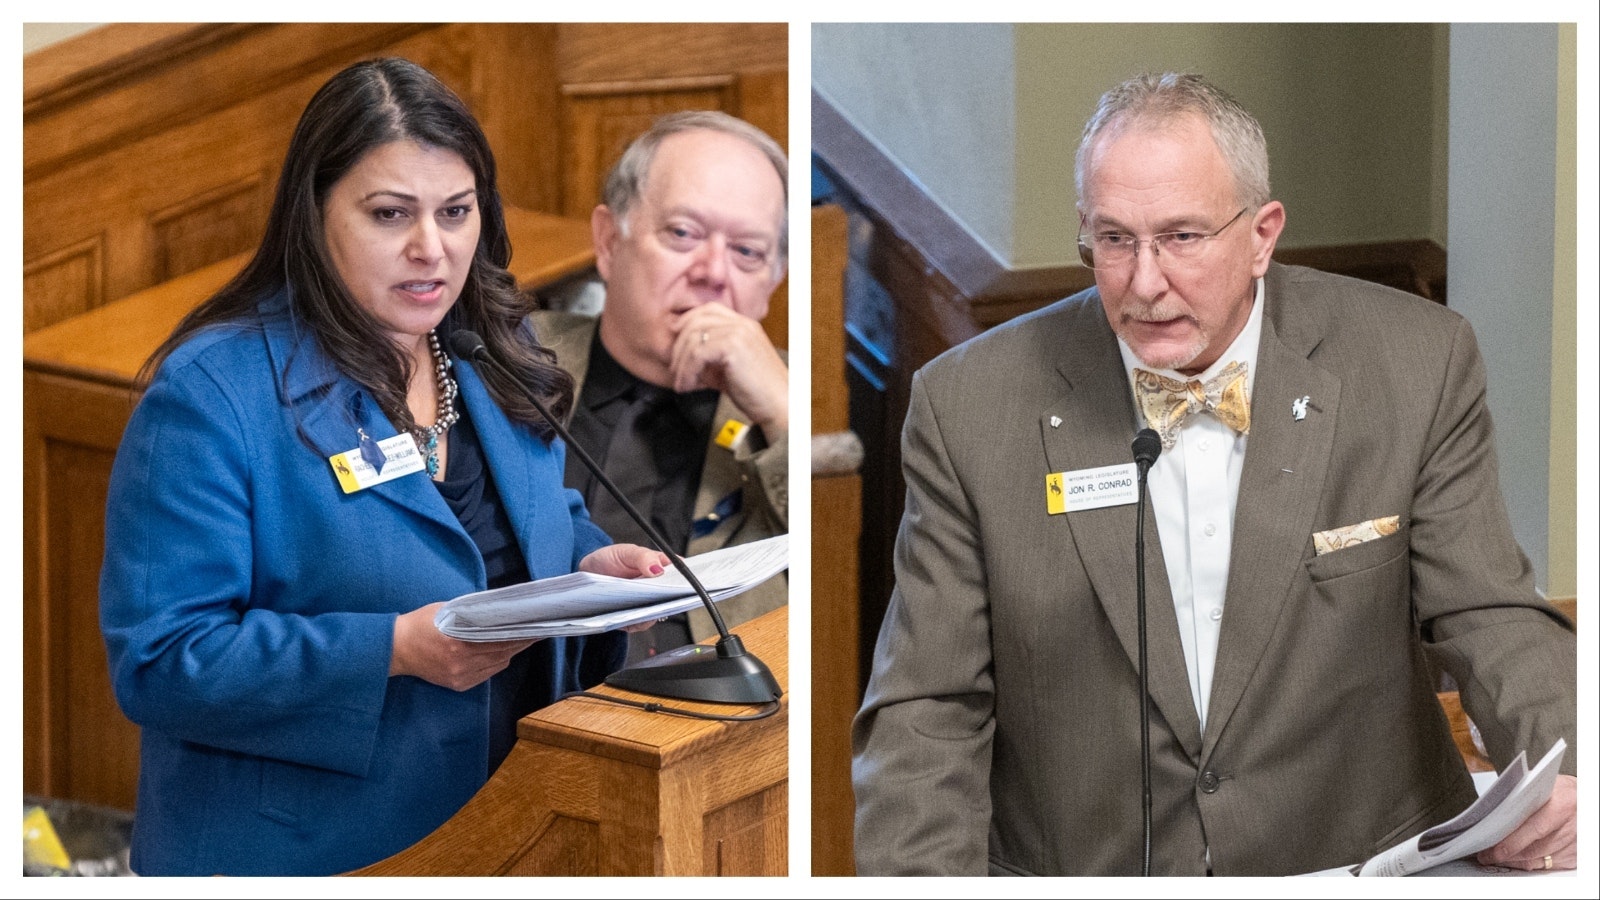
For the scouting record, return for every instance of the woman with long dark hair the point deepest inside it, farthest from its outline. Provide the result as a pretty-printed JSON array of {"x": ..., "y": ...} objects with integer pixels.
[{"x": 308, "y": 476}]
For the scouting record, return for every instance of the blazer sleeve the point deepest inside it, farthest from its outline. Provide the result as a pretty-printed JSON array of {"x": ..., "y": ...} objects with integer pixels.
[
  {"x": 191, "y": 652},
  {"x": 767, "y": 471},
  {"x": 923, "y": 738},
  {"x": 1513, "y": 656}
]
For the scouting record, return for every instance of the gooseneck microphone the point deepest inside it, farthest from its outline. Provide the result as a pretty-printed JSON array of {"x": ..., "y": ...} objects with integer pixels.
[
  {"x": 1146, "y": 447},
  {"x": 730, "y": 674}
]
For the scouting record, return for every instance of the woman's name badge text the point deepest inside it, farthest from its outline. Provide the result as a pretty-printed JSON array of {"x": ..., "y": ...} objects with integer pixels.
[{"x": 400, "y": 458}]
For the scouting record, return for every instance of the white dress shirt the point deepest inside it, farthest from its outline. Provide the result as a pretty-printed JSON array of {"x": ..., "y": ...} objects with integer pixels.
[{"x": 1193, "y": 487}]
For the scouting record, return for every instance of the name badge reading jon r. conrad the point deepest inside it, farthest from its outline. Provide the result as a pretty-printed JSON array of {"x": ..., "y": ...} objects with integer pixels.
[
  {"x": 400, "y": 457},
  {"x": 1091, "y": 488}
]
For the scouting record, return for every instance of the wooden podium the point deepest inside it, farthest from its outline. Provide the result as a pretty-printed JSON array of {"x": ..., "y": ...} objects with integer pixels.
[
  {"x": 79, "y": 387},
  {"x": 594, "y": 788}
]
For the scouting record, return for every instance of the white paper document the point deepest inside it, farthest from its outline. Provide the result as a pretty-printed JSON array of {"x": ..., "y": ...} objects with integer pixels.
[
  {"x": 581, "y": 603},
  {"x": 1514, "y": 796}
]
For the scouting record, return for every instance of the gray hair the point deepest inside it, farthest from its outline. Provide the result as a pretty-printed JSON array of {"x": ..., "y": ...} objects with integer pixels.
[
  {"x": 1159, "y": 100},
  {"x": 625, "y": 184}
]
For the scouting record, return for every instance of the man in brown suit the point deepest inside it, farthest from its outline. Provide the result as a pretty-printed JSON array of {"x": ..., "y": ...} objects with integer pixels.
[{"x": 1362, "y": 532}]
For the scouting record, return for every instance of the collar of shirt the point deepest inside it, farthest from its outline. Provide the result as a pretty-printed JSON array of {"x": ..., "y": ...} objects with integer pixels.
[{"x": 1193, "y": 489}]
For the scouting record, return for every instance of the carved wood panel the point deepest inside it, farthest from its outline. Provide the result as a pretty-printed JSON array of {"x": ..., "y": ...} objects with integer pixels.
[
  {"x": 209, "y": 227},
  {"x": 122, "y": 145},
  {"x": 600, "y": 120},
  {"x": 62, "y": 284},
  {"x": 94, "y": 745},
  {"x": 80, "y": 746},
  {"x": 748, "y": 836}
]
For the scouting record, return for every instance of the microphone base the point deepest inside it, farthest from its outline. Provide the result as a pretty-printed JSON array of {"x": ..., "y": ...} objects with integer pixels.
[{"x": 724, "y": 673}]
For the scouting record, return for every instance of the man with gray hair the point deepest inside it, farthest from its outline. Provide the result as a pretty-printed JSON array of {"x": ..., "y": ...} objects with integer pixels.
[
  {"x": 681, "y": 396},
  {"x": 1326, "y": 510}
]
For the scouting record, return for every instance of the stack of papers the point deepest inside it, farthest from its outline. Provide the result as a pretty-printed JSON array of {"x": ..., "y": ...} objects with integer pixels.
[
  {"x": 581, "y": 603},
  {"x": 1515, "y": 795}
]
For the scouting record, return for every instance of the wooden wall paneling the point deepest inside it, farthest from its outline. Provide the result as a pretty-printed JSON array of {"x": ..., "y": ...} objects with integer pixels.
[
  {"x": 1416, "y": 266},
  {"x": 599, "y": 120},
  {"x": 146, "y": 191},
  {"x": 835, "y": 549},
  {"x": 210, "y": 226},
  {"x": 515, "y": 93},
  {"x": 78, "y": 743},
  {"x": 764, "y": 102},
  {"x": 172, "y": 179},
  {"x": 591, "y": 52},
  {"x": 167, "y": 200},
  {"x": 830, "y": 254},
  {"x": 120, "y": 84},
  {"x": 835, "y": 671},
  {"x": 742, "y": 839},
  {"x": 59, "y": 285}
]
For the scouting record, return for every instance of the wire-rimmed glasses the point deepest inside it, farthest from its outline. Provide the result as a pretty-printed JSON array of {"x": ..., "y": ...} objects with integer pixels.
[{"x": 1116, "y": 249}]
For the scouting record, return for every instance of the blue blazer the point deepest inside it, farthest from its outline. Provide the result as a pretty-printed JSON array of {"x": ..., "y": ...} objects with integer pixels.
[{"x": 248, "y": 606}]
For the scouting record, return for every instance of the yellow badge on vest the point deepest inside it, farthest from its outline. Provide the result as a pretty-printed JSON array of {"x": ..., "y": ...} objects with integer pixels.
[{"x": 731, "y": 434}]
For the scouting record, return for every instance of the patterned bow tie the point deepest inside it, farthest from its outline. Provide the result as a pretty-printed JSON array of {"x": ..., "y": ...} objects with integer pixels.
[{"x": 1167, "y": 403}]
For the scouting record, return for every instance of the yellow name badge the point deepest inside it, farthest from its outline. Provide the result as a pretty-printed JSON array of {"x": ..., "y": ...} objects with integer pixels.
[
  {"x": 1083, "y": 489},
  {"x": 1055, "y": 494},
  {"x": 732, "y": 433},
  {"x": 401, "y": 457}
]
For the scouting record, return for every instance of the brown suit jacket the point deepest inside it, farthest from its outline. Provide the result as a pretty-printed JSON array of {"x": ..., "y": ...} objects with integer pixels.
[
  {"x": 1000, "y": 730},
  {"x": 763, "y": 476}
]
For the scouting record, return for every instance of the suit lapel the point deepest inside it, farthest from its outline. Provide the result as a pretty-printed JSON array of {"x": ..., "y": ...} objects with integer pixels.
[
  {"x": 519, "y": 461},
  {"x": 720, "y": 478},
  {"x": 330, "y": 409},
  {"x": 570, "y": 336},
  {"x": 1097, "y": 423},
  {"x": 1285, "y": 467}
]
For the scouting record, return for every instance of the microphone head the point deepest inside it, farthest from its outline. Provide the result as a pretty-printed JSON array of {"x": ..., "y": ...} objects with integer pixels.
[
  {"x": 1146, "y": 446},
  {"x": 466, "y": 344}
]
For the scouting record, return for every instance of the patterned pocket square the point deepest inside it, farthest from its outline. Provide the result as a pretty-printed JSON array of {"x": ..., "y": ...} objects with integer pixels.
[{"x": 1351, "y": 535}]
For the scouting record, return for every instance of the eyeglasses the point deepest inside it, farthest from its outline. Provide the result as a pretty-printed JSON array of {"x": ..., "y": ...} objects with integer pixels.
[{"x": 1115, "y": 249}]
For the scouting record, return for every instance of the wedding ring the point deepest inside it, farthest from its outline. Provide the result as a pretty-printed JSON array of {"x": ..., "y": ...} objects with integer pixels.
[{"x": 1547, "y": 862}]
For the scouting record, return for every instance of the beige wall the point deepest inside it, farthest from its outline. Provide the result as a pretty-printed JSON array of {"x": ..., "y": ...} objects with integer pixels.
[
  {"x": 1564, "y": 448},
  {"x": 42, "y": 34},
  {"x": 941, "y": 100},
  {"x": 1353, "y": 116},
  {"x": 1348, "y": 110}
]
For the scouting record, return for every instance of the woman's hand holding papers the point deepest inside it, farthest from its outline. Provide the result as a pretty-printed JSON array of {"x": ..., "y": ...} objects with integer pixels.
[
  {"x": 626, "y": 561},
  {"x": 421, "y": 650}
]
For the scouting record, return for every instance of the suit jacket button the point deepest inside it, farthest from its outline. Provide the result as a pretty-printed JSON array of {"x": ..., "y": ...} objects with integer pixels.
[{"x": 1209, "y": 782}]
